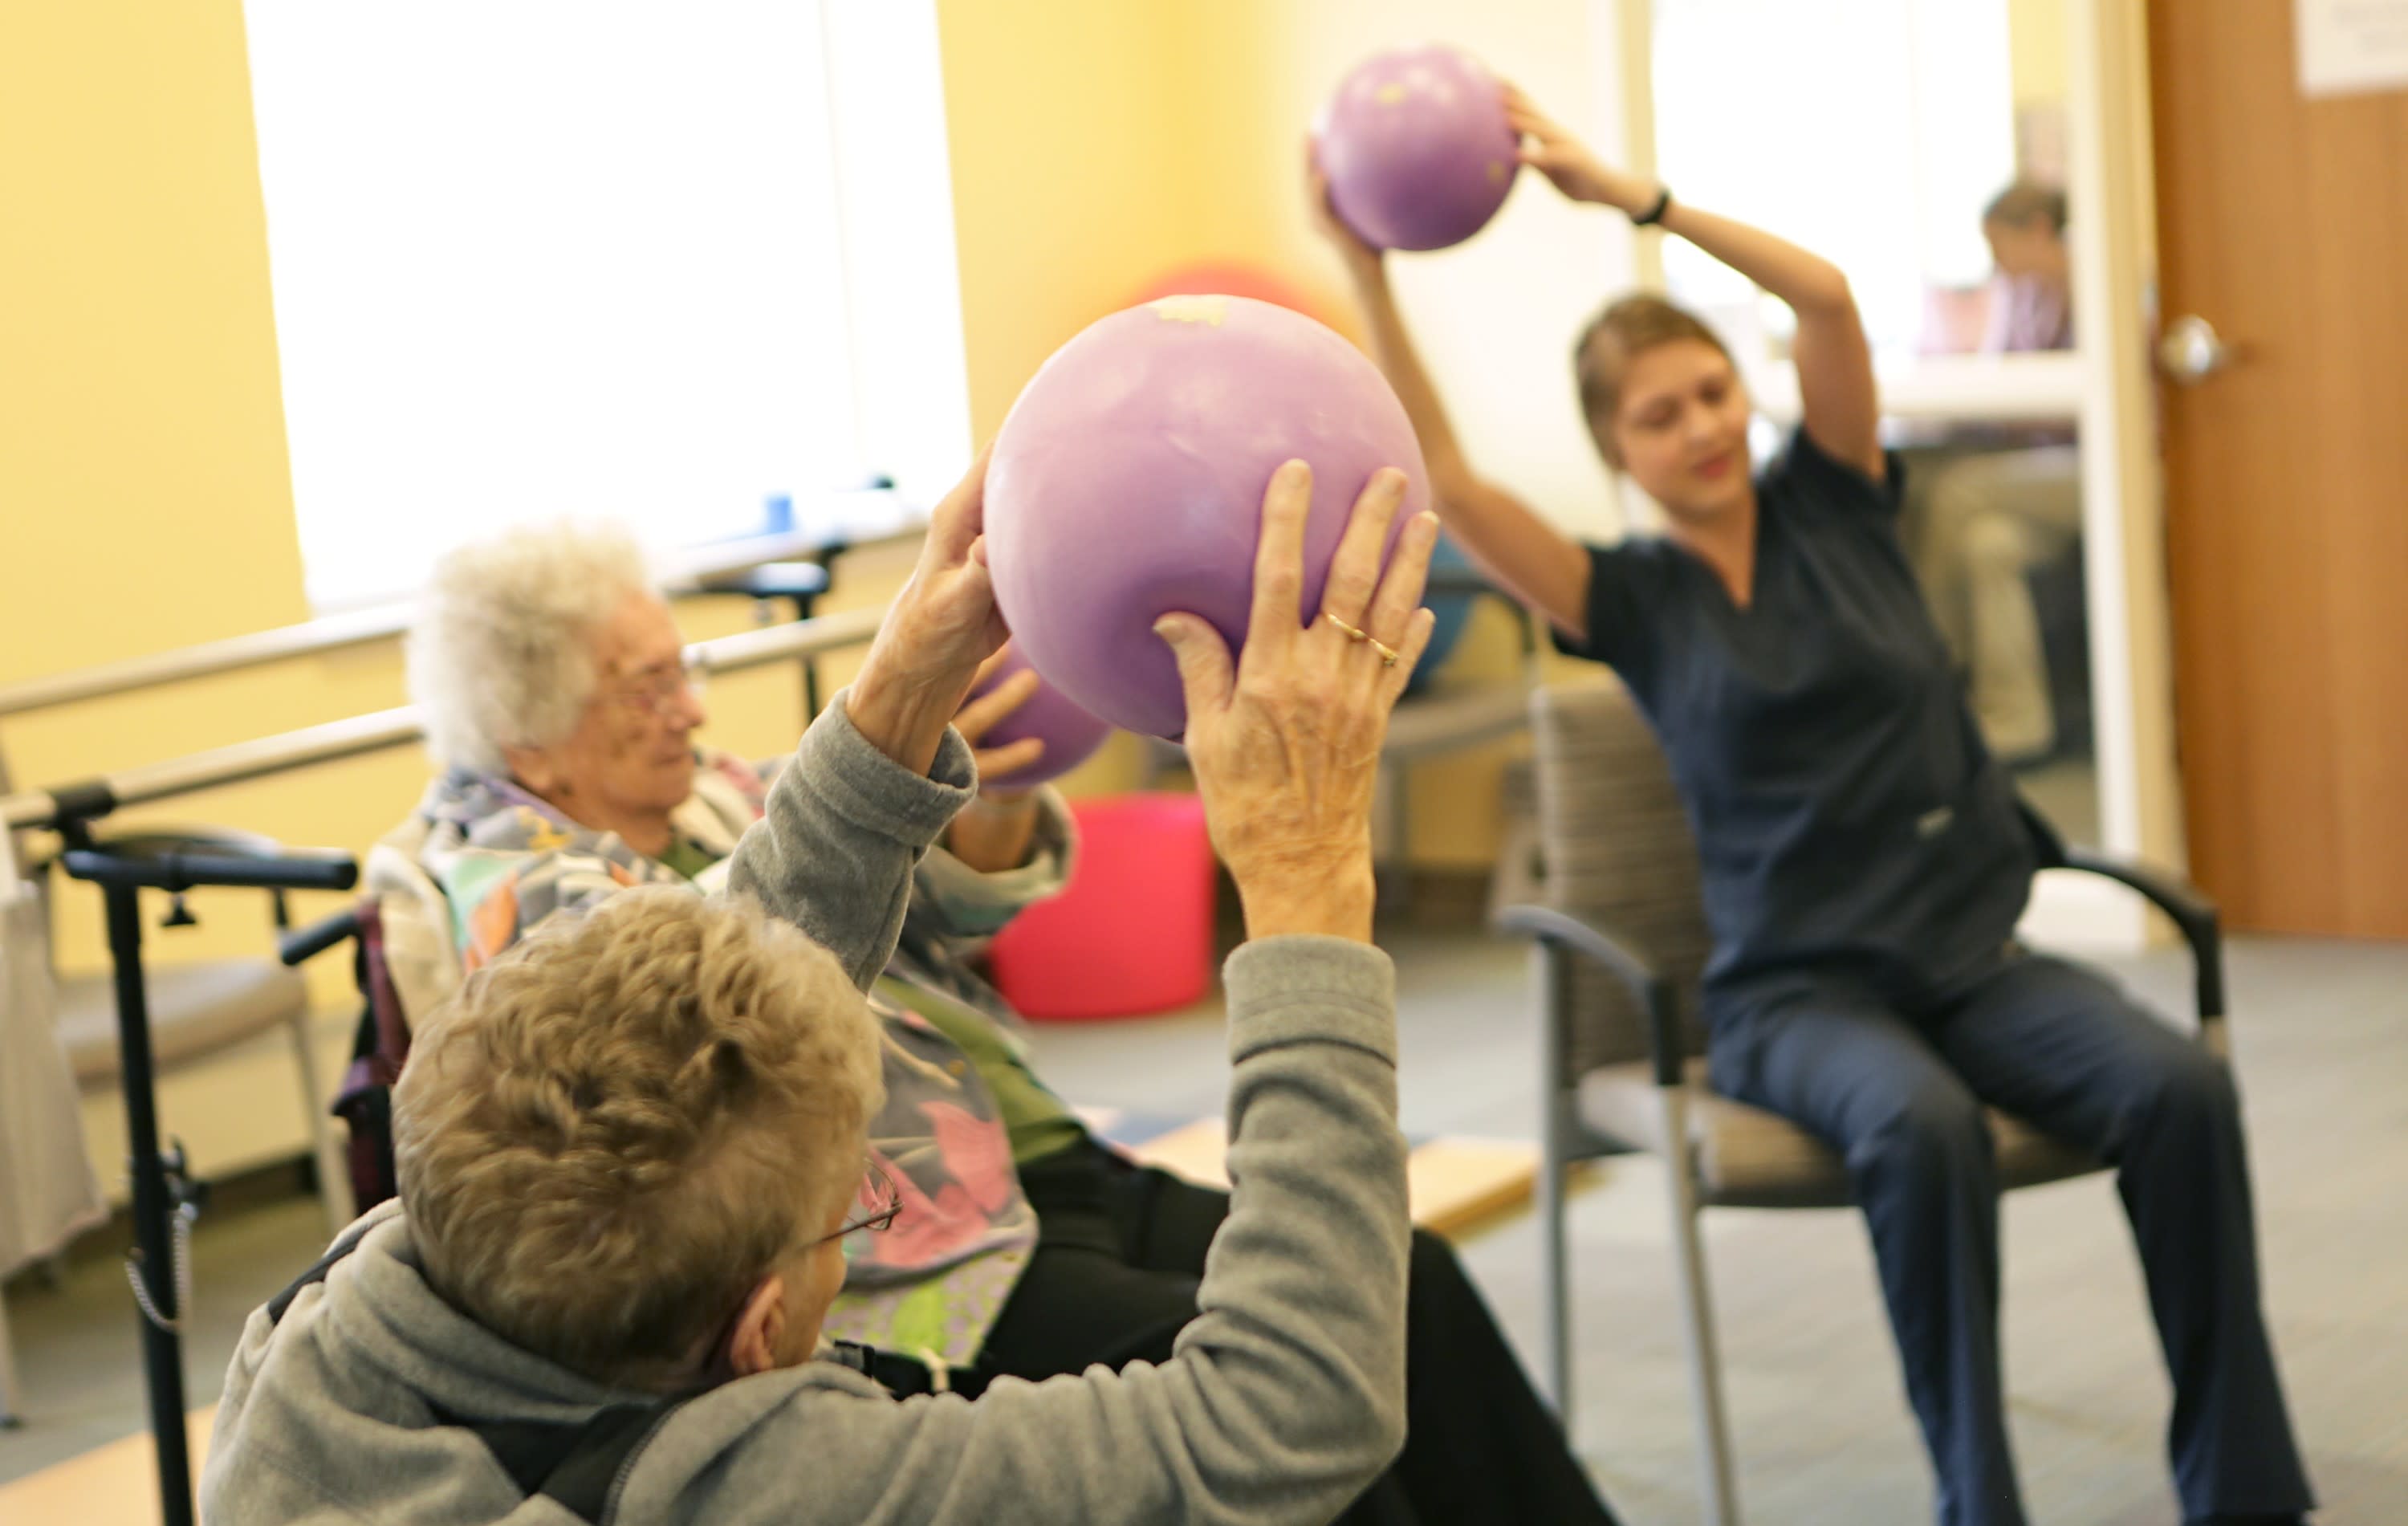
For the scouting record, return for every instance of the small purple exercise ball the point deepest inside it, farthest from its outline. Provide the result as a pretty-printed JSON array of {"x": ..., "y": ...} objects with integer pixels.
[
  {"x": 1071, "y": 734},
  {"x": 1127, "y": 483},
  {"x": 1417, "y": 149}
]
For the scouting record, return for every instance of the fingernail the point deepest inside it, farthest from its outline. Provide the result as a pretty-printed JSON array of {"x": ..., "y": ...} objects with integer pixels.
[{"x": 1163, "y": 628}]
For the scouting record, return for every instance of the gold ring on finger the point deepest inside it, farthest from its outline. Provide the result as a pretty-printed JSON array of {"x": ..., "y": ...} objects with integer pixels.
[
  {"x": 1353, "y": 633},
  {"x": 1388, "y": 654}
]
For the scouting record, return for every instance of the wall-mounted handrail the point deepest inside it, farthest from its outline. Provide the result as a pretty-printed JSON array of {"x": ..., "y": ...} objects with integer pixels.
[
  {"x": 866, "y": 516},
  {"x": 325, "y": 743}
]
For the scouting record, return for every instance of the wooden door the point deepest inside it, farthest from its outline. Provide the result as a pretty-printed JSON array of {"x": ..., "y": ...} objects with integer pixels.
[{"x": 2283, "y": 221}]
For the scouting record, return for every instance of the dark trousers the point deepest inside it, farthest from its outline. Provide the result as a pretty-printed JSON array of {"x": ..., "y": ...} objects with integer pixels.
[
  {"x": 1120, "y": 1251},
  {"x": 1896, "y": 1089}
]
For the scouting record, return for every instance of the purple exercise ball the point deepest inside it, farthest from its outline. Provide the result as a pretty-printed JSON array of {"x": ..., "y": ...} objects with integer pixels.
[
  {"x": 1417, "y": 149},
  {"x": 1127, "y": 483},
  {"x": 1071, "y": 734}
]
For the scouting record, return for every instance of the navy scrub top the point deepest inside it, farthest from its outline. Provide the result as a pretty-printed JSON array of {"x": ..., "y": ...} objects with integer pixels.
[{"x": 1848, "y": 816}]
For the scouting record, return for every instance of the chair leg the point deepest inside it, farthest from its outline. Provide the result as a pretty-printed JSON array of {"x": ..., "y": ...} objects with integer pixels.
[
  {"x": 11, "y": 1402},
  {"x": 334, "y": 1172},
  {"x": 1555, "y": 1267},
  {"x": 1697, "y": 1300}
]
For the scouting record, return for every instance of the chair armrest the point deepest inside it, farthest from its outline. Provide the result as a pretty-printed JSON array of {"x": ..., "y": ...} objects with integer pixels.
[
  {"x": 801, "y": 582},
  {"x": 153, "y": 841},
  {"x": 1560, "y": 930},
  {"x": 177, "y": 861},
  {"x": 213, "y": 842},
  {"x": 224, "y": 846},
  {"x": 304, "y": 944},
  {"x": 2184, "y": 904}
]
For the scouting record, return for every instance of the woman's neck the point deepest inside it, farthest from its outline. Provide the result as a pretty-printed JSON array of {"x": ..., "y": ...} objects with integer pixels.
[
  {"x": 1724, "y": 541},
  {"x": 648, "y": 832}
]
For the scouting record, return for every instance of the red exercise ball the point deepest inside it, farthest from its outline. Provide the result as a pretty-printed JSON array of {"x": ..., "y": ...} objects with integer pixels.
[{"x": 1231, "y": 278}]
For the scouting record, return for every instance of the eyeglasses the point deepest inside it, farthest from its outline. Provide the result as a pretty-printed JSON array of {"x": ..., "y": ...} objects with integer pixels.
[
  {"x": 881, "y": 1200},
  {"x": 657, "y": 691}
]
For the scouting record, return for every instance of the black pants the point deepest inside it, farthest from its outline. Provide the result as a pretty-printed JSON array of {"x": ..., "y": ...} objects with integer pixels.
[{"x": 1120, "y": 1251}]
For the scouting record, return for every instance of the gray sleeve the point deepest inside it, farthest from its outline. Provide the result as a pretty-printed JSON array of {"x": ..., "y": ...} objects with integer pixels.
[
  {"x": 1285, "y": 1395},
  {"x": 965, "y": 904},
  {"x": 845, "y": 825}
]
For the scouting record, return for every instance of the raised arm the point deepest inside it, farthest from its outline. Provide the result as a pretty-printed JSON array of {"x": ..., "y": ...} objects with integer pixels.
[
  {"x": 1835, "y": 369},
  {"x": 1537, "y": 564},
  {"x": 1285, "y": 1396},
  {"x": 880, "y": 773}
]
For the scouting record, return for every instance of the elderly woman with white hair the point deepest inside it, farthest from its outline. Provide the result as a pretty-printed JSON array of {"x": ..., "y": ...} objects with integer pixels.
[{"x": 558, "y": 705}]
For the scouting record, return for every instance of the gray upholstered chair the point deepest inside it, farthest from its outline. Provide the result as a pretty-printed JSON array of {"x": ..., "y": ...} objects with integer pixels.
[{"x": 1624, "y": 940}]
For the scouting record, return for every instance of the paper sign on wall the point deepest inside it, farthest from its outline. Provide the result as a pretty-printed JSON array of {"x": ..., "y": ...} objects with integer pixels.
[{"x": 2348, "y": 46}]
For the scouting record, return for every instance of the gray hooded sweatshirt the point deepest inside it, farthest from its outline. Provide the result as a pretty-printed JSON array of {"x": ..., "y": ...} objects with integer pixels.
[{"x": 1283, "y": 1398}]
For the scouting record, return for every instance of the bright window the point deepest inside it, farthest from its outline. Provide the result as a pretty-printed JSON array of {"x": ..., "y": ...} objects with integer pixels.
[
  {"x": 1872, "y": 131},
  {"x": 543, "y": 258}
]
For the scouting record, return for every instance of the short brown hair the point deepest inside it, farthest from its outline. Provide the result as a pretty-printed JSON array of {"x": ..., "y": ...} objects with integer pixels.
[
  {"x": 616, "y": 1130},
  {"x": 2025, "y": 203},
  {"x": 1627, "y": 329}
]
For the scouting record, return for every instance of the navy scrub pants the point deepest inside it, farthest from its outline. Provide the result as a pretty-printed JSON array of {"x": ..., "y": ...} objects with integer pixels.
[{"x": 1897, "y": 1089}]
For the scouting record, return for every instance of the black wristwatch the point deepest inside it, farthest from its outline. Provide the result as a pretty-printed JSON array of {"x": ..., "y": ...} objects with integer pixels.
[{"x": 1654, "y": 214}]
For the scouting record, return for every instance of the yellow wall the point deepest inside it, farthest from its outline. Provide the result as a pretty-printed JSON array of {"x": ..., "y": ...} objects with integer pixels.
[
  {"x": 2037, "y": 39},
  {"x": 1069, "y": 161},
  {"x": 144, "y": 430},
  {"x": 142, "y": 458}
]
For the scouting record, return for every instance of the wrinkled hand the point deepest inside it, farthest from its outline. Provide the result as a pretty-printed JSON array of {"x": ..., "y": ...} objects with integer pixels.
[
  {"x": 1564, "y": 159},
  {"x": 938, "y": 631},
  {"x": 979, "y": 717},
  {"x": 996, "y": 830},
  {"x": 1285, "y": 743},
  {"x": 1361, "y": 258}
]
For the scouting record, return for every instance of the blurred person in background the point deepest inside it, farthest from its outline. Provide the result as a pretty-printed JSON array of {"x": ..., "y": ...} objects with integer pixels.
[{"x": 1991, "y": 514}]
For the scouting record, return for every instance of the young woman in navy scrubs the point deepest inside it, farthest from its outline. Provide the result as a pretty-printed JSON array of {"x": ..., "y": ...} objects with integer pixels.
[{"x": 1864, "y": 861}]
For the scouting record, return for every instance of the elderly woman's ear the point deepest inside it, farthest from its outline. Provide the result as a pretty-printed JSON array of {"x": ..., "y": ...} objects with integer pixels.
[{"x": 534, "y": 768}]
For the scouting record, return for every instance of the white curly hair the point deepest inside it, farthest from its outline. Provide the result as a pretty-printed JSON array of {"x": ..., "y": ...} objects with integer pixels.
[{"x": 500, "y": 654}]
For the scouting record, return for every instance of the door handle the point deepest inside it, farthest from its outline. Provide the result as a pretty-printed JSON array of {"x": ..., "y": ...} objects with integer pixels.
[{"x": 2190, "y": 351}]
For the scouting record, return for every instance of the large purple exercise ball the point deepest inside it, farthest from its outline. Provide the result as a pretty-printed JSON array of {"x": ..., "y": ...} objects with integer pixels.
[
  {"x": 1071, "y": 734},
  {"x": 1417, "y": 148},
  {"x": 1128, "y": 480}
]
